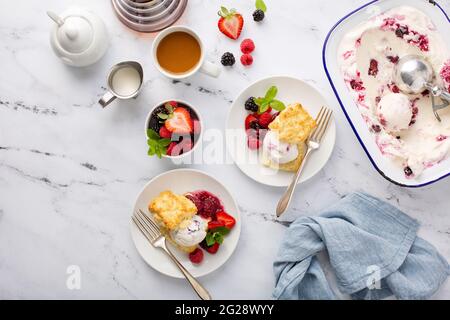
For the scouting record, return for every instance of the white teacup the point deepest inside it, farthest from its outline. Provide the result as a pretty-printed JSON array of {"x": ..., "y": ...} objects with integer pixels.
[{"x": 203, "y": 66}]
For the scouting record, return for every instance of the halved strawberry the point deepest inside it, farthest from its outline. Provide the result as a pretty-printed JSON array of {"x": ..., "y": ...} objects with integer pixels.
[
  {"x": 265, "y": 119},
  {"x": 249, "y": 119},
  {"x": 226, "y": 219},
  {"x": 215, "y": 224},
  {"x": 180, "y": 121},
  {"x": 230, "y": 23}
]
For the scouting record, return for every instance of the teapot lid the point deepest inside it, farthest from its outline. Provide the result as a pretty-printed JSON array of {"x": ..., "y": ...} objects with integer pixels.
[{"x": 75, "y": 34}]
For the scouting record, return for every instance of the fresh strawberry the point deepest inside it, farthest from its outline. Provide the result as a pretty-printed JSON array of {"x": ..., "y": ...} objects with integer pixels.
[
  {"x": 230, "y": 23},
  {"x": 174, "y": 104},
  {"x": 213, "y": 249},
  {"x": 196, "y": 256},
  {"x": 215, "y": 224},
  {"x": 180, "y": 121},
  {"x": 253, "y": 142},
  {"x": 170, "y": 149},
  {"x": 226, "y": 219},
  {"x": 164, "y": 133},
  {"x": 265, "y": 119},
  {"x": 250, "y": 118}
]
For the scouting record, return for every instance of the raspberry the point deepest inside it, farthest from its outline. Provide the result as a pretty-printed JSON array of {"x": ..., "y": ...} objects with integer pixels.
[
  {"x": 212, "y": 249},
  {"x": 247, "y": 46},
  {"x": 246, "y": 59},
  {"x": 265, "y": 119},
  {"x": 196, "y": 256},
  {"x": 164, "y": 133}
]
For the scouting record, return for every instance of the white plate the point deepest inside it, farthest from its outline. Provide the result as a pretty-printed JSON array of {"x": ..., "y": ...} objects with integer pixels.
[
  {"x": 290, "y": 90},
  {"x": 385, "y": 166},
  {"x": 181, "y": 181}
]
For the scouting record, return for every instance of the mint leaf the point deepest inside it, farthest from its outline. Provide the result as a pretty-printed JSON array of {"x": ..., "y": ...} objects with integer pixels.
[
  {"x": 151, "y": 134},
  {"x": 271, "y": 93},
  {"x": 263, "y": 107},
  {"x": 165, "y": 142},
  {"x": 277, "y": 105},
  {"x": 210, "y": 239},
  {"x": 163, "y": 116},
  {"x": 258, "y": 101},
  {"x": 261, "y": 5},
  {"x": 169, "y": 107},
  {"x": 218, "y": 237},
  {"x": 222, "y": 230}
]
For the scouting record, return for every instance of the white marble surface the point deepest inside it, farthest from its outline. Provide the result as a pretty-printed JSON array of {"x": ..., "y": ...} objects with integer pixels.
[{"x": 70, "y": 171}]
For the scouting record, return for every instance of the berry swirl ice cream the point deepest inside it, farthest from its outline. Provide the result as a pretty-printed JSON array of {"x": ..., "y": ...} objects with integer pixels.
[
  {"x": 192, "y": 233},
  {"x": 404, "y": 126},
  {"x": 278, "y": 151}
]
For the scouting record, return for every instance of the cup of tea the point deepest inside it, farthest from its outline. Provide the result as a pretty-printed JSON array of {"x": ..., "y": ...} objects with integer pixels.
[
  {"x": 179, "y": 53},
  {"x": 124, "y": 82}
]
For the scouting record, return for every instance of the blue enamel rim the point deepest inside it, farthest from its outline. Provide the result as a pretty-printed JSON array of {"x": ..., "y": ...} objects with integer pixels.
[{"x": 342, "y": 105}]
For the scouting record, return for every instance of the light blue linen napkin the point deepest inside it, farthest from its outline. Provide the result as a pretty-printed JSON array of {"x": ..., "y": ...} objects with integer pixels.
[{"x": 373, "y": 248}]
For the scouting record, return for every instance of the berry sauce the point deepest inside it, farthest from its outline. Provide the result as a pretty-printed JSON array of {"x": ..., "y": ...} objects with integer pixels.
[{"x": 207, "y": 203}]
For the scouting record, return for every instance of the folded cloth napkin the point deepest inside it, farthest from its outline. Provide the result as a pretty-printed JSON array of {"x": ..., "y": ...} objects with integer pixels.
[{"x": 373, "y": 249}]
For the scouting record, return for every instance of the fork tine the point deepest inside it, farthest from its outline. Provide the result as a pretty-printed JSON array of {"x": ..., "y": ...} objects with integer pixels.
[
  {"x": 152, "y": 224},
  {"x": 318, "y": 121},
  {"x": 145, "y": 225},
  {"x": 142, "y": 229},
  {"x": 326, "y": 121}
]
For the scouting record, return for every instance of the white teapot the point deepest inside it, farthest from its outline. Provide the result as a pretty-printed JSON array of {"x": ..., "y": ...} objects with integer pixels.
[{"x": 79, "y": 37}]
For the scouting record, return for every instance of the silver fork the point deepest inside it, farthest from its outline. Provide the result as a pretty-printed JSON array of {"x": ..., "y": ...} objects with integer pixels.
[
  {"x": 152, "y": 232},
  {"x": 323, "y": 119}
]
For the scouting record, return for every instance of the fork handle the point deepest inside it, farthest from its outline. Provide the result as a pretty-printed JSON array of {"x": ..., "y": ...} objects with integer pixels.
[
  {"x": 198, "y": 288},
  {"x": 285, "y": 200}
]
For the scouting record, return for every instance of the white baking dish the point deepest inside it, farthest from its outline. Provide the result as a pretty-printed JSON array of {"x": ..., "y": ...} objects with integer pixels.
[{"x": 383, "y": 164}]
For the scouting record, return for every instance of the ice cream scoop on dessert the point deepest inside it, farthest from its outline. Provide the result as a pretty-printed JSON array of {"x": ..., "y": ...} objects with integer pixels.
[
  {"x": 284, "y": 144},
  {"x": 404, "y": 126},
  {"x": 395, "y": 112},
  {"x": 177, "y": 216}
]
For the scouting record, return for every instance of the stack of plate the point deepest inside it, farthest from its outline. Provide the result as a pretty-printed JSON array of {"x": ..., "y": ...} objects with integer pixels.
[{"x": 148, "y": 15}]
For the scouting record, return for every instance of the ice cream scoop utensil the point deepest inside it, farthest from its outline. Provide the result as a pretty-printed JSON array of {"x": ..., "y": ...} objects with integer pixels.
[
  {"x": 152, "y": 232},
  {"x": 414, "y": 74}
]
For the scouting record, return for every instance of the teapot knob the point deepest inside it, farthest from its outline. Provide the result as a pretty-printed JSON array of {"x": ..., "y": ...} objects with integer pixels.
[{"x": 71, "y": 31}]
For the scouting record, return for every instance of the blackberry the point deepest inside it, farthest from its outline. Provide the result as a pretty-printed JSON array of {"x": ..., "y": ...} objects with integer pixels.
[
  {"x": 255, "y": 125},
  {"x": 258, "y": 15},
  {"x": 160, "y": 109},
  {"x": 251, "y": 105},
  {"x": 227, "y": 59},
  {"x": 154, "y": 124}
]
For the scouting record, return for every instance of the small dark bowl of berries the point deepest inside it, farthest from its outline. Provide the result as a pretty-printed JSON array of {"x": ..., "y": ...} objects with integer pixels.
[{"x": 173, "y": 129}]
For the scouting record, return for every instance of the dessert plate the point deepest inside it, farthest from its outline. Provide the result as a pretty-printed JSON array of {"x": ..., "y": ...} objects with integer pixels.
[
  {"x": 181, "y": 181},
  {"x": 385, "y": 166},
  {"x": 290, "y": 90}
]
